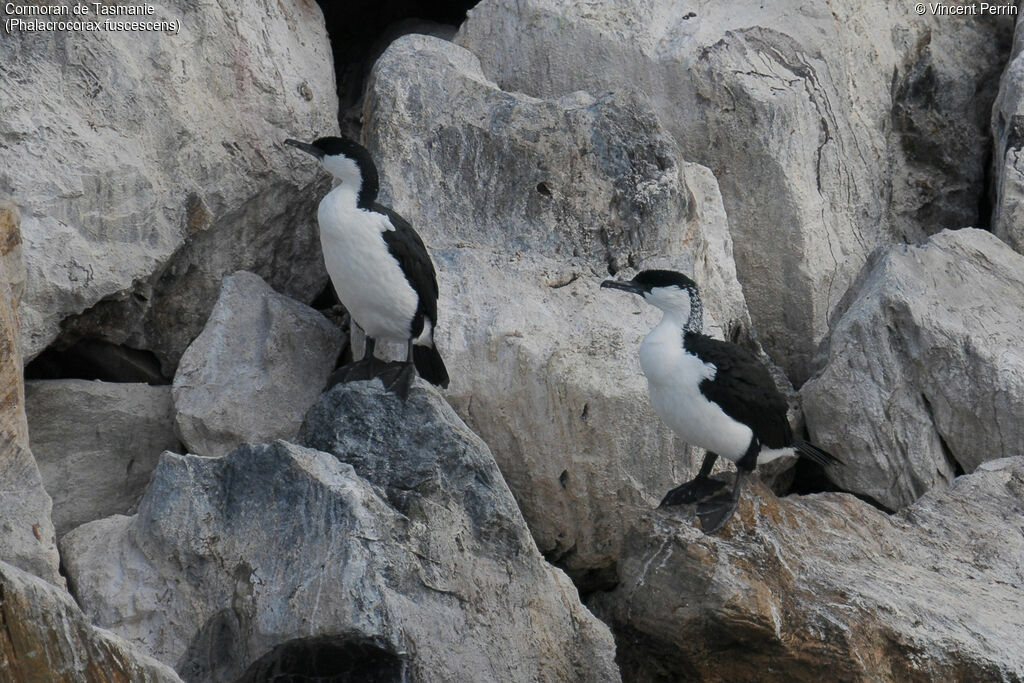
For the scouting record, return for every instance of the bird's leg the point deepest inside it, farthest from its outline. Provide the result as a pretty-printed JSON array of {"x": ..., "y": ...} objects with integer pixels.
[
  {"x": 371, "y": 360},
  {"x": 714, "y": 512},
  {"x": 699, "y": 488},
  {"x": 397, "y": 378},
  {"x": 366, "y": 366},
  {"x": 362, "y": 369}
]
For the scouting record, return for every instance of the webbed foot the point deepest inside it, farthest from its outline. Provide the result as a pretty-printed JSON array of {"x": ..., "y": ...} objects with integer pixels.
[
  {"x": 715, "y": 511},
  {"x": 361, "y": 370},
  {"x": 397, "y": 378},
  {"x": 692, "y": 491}
]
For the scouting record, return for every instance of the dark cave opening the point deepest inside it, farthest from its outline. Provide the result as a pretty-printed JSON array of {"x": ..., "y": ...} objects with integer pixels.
[
  {"x": 810, "y": 477},
  {"x": 95, "y": 359},
  {"x": 326, "y": 659},
  {"x": 360, "y": 32}
]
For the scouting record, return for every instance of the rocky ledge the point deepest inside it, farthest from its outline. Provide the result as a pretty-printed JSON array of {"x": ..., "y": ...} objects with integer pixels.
[{"x": 827, "y": 587}]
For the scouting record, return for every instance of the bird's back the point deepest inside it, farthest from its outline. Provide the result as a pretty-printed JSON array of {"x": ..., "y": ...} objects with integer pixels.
[{"x": 744, "y": 388}]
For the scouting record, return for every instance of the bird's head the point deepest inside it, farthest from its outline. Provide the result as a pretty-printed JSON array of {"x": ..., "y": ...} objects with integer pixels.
[
  {"x": 348, "y": 161},
  {"x": 670, "y": 291}
]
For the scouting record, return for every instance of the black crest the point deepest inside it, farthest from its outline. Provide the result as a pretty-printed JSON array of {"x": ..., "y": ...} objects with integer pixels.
[
  {"x": 652, "y": 279},
  {"x": 332, "y": 146}
]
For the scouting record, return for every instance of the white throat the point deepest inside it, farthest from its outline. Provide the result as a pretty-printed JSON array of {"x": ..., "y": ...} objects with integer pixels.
[{"x": 345, "y": 170}]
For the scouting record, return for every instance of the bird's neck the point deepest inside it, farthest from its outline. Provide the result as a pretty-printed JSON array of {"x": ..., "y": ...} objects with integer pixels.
[
  {"x": 344, "y": 196},
  {"x": 695, "y": 321}
]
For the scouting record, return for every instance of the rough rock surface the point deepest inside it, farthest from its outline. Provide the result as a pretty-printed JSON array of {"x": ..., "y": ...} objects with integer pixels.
[
  {"x": 417, "y": 555},
  {"x": 96, "y": 444},
  {"x": 827, "y": 587},
  {"x": 27, "y": 538},
  {"x": 525, "y": 205},
  {"x": 1008, "y": 154},
  {"x": 152, "y": 167},
  {"x": 832, "y": 128},
  {"x": 45, "y": 637},
  {"x": 255, "y": 370},
  {"x": 923, "y": 373}
]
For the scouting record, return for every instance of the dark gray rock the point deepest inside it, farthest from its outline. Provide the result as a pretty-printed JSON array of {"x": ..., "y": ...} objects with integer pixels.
[
  {"x": 1008, "y": 153},
  {"x": 234, "y": 565}
]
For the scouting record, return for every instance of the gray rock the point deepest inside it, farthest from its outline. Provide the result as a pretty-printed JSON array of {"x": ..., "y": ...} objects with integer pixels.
[
  {"x": 27, "y": 539},
  {"x": 922, "y": 373},
  {"x": 97, "y": 443},
  {"x": 525, "y": 204},
  {"x": 1007, "y": 155},
  {"x": 47, "y": 638},
  {"x": 255, "y": 370},
  {"x": 412, "y": 547},
  {"x": 826, "y": 587},
  {"x": 832, "y": 128},
  {"x": 145, "y": 175}
]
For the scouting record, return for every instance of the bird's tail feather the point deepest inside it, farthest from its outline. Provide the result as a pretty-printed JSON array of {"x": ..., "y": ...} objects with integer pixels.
[
  {"x": 822, "y": 457},
  {"x": 430, "y": 365}
]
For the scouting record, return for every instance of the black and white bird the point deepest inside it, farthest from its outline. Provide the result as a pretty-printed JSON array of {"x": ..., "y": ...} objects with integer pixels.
[
  {"x": 379, "y": 267},
  {"x": 713, "y": 394}
]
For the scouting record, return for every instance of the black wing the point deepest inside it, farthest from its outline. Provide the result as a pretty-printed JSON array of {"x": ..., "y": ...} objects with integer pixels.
[
  {"x": 744, "y": 389},
  {"x": 408, "y": 249}
]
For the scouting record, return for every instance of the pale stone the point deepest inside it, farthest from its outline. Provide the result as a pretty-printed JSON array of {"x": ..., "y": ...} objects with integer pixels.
[
  {"x": 96, "y": 444},
  {"x": 46, "y": 637},
  {"x": 259, "y": 364},
  {"x": 923, "y": 373},
  {"x": 146, "y": 166},
  {"x": 832, "y": 127},
  {"x": 27, "y": 538},
  {"x": 525, "y": 205}
]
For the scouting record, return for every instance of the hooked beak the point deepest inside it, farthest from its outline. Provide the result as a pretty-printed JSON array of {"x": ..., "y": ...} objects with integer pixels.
[
  {"x": 624, "y": 285},
  {"x": 306, "y": 147}
]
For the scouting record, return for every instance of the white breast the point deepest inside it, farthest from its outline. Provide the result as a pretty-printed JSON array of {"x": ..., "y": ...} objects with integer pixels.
[
  {"x": 673, "y": 380},
  {"x": 368, "y": 280}
]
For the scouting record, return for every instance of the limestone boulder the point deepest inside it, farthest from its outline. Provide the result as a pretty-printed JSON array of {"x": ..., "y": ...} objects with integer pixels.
[
  {"x": 827, "y": 587},
  {"x": 146, "y": 166},
  {"x": 403, "y": 548},
  {"x": 526, "y": 205},
  {"x": 97, "y": 443},
  {"x": 47, "y": 638},
  {"x": 923, "y": 375},
  {"x": 255, "y": 369},
  {"x": 27, "y": 538},
  {"x": 832, "y": 128},
  {"x": 1007, "y": 155}
]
